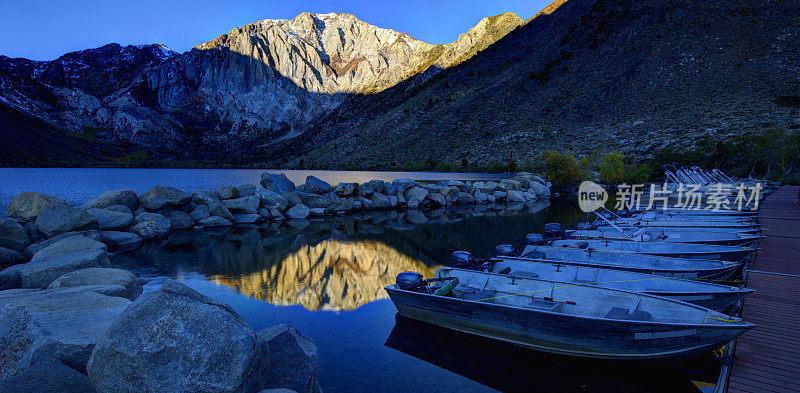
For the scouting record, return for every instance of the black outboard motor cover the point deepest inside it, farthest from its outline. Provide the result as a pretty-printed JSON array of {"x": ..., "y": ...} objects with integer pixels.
[
  {"x": 504, "y": 250},
  {"x": 410, "y": 281},
  {"x": 553, "y": 231},
  {"x": 534, "y": 239},
  {"x": 461, "y": 259}
]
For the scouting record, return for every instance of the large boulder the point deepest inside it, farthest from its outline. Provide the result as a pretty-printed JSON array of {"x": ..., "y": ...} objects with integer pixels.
[
  {"x": 316, "y": 185},
  {"x": 119, "y": 239},
  {"x": 109, "y": 198},
  {"x": 313, "y": 200},
  {"x": 59, "y": 219},
  {"x": 36, "y": 247},
  {"x": 379, "y": 200},
  {"x": 8, "y": 257},
  {"x": 242, "y": 205},
  {"x": 162, "y": 196},
  {"x": 151, "y": 226},
  {"x": 101, "y": 276},
  {"x": 67, "y": 255},
  {"x": 13, "y": 236},
  {"x": 276, "y": 182},
  {"x": 540, "y": 190},
  {"x": 215, "y": 221},
  {"x": 204, "y": 197},
  {"x": 246, "y": 190},
  {"x": 227, "y": 192},
  {"x": 200, "y": 212},
  {"x": 515, "y": 196},
  {"x": 216, "y": 209},
  {"x": 177, "y": 340},
  {"x": 47, "y": 375},
  {"x": 62, "y": 323},
  {"x": 377, "y": 185},
  {"x": 293, "y": 359},
  {"x": 415, "y": 192},
  {"x": 110, "y": 219},
  {"x": 271, "y": 199},
  {"x": 344, "y": 205},
  {"x": 26, "y": 205},
  {"x": 298, "y": 211},
  {"x": 346, "y": 189},
  {"x": 180, "y": 220},
  {"x": 436, "y": 198},
  {"x": 292, "y": 197}
]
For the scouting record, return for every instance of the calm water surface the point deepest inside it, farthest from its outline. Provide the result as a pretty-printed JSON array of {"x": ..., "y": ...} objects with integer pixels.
[{"x": 326, "y": 277}]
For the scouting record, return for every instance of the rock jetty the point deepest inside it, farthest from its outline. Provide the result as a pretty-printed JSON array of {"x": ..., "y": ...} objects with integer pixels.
[{"x": 121, "y": 218}]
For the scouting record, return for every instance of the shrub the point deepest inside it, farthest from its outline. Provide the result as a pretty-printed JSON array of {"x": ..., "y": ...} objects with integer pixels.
[{"x": 564, "y": 170}]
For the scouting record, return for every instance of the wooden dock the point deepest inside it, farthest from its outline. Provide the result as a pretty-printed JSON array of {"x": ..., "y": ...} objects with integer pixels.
[{"x": 767, "y": 358}]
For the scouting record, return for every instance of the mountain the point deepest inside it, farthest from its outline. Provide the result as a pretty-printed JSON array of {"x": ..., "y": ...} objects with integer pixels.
[
  {"x": 583, "y": 75},
  {"x": 252, "y": 86}
]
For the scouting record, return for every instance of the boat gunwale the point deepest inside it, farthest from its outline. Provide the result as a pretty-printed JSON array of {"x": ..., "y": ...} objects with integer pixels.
[{"x": 725, "y": 266}]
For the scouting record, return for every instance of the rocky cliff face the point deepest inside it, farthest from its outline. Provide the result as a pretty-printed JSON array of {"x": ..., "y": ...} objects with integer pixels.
[{"x": 251, "y": 86}]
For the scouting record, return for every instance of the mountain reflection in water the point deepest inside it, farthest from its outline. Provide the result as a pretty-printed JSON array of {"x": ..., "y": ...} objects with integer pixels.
[{"x": 331, "y": 263}]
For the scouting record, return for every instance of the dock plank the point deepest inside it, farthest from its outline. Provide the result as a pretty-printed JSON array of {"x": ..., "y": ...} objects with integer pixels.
[{"x": 767, "y": 358}]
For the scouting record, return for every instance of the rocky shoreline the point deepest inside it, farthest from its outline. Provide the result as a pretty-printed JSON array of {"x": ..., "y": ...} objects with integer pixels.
[{"x": 71, "y": 323}]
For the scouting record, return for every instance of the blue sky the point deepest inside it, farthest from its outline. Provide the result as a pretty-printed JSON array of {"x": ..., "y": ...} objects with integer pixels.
[{"x": 44, "y": 30}]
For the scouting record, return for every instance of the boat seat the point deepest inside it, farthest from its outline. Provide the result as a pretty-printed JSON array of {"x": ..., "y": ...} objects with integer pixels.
[
  {"x": 541, "y": 304},
  {"x": 476, "y": 294},
  {"x": 625, "y": 314},
  {"x": 525, "y": 274}
]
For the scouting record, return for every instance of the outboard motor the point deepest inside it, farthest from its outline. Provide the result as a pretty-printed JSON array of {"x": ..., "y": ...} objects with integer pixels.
[
  {"x": 410, "y": 281},
  {"x": 504, "y": 250},
  {"x": 462, "y": 259},
  {"x": 553, "y": 231},
  {"x": 534, "y": 239}
]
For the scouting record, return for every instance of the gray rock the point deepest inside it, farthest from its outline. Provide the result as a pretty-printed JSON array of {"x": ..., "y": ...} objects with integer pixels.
[
  {"x": 332, "y": 197},
  {"x": 499, "y": 195},
  {"x": 313, "y": 200},
  {"x": 379, "y": 200},
  {"x": 162, "y": 196},
  {"x": 160, "y": 220},
  {"x": 204, "y": 197},
  {"x": 245, "y": 218},
  {"x": 216, "y": 209},
  {"x": 298, "y": 211},
  {"x": 316, "y": 211},
  {"x": 101, "y": 276},
  {"x": 294, "y": 359},
  {"x": 150, "y": 230},
  {"x": 392, "y": 200},
  {"x": 59, "y": 219},
  {"x": 464, "y": 197},
  {"x": 344, "y": 205},
  {"x": 215, "y": 221},
  {"x": 180, "y": 220},
  {"x": 452, "y": 183},
  {"x": 511, "y": 184},
  {"x": 35, "y": 247},
  {"x": 246, "y": 190},
  {"x": 415, "y": 192},
  {"x": 480, "y": 197},
  {"x": 26, "y": 205},
  {"x": 120, "y": 209},
  {"x": 515, "y": 196},
  {"x": 109, "y": 219},
  {"x": 540, "y": 190},
  {"x": 346, "y": 189},
  {"x": 377, "y": 185},
  {"x": 62, "y": 324},
  {"x": 119, "y": 239},
  {"x": 491, "y": 198},
  {"x": 263, "y": 212},
  {"x": 402, "y": 183},
  {"x": 47, "y": 375},
  {"x": 315, "y": 185},
  {"x": 247, "y": 204},
  {"x": 292, "y": 198},
  {"x": 66, "y": 255},
  {"x": 436, "y": 199},
  {"x": 8, "y": 257},
  {"x": 126, "y": 198},
  {"x": 365, "y": 189},
  {"x": 13, "y": 235},
  {"x": 276, "y": 182},
  {"x": 227, "y": 192},
  {"x": 199, "y": 213},
  {"x": 270, "y": 199},
  {"x": 178, "y": 340},
  {"x": 276, "y": 214}
]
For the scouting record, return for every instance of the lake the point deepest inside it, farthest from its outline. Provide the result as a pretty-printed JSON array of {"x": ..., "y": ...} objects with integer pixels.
[{"x": 325, "y": 276}]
